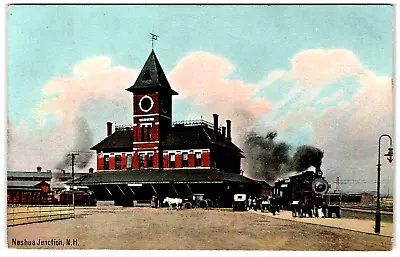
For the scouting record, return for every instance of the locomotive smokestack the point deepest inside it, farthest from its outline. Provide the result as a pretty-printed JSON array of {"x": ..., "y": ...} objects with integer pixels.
[
  {"x": 215, "y": 125},
  {"x": 109, "y": 128},
  {"x": 228, "y": 131}
]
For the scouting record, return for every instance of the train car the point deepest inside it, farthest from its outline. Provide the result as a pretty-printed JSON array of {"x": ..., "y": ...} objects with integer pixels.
[{"x": 305, "y": 194}]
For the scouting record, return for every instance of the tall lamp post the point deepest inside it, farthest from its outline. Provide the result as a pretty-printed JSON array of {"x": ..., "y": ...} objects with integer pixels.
[{"x": 389, "y": 157}]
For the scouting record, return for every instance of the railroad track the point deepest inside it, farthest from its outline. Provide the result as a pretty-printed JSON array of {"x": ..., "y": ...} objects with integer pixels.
[{"x": 369, "y": 207}]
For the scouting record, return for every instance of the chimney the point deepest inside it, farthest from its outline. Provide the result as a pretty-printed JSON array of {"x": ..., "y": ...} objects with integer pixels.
[
  {"x": 224, "y": 131},
  {"x": 90, "y": 170},
  {"x": 109, "y": 128},
  {"x": 63, "y": 171},
  {"x": 39, "y": 169},
  {"x": 215, "y": 126},
  {"x": 228, "y": 131}
]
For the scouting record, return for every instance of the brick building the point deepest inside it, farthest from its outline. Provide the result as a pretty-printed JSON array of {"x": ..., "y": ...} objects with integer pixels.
[
  {"x": 155, "y": 142},
  {"x": 154, "y": 150}
]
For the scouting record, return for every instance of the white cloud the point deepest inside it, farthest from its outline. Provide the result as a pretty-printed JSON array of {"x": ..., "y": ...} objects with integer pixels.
[
  {"x": 338, "y": 96},
  {"x": 202, "y": 77}
]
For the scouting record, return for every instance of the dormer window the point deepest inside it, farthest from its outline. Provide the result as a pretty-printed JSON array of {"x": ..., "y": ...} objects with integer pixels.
[
  {"x": 172, "y": 160},
  {"x": 197, "y": 160},
  {"x": 185, "y": 159},
  {"x": 106, "y": 162}
]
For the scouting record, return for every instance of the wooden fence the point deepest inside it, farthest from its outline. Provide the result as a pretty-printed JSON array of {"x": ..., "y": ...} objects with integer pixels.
[{"x": 25, "y": 214}]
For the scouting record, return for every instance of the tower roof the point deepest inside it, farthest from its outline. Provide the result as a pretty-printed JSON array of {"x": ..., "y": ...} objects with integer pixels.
[{"x": 152, "y": 77}]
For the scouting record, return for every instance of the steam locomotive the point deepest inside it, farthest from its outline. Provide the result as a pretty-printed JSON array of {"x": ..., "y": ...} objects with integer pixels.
[{"x": 305, "y": 195}]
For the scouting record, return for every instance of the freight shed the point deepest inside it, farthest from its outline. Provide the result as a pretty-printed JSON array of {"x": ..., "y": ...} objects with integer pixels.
[
  {"x": 125, "y": 187},
  {"x": 32, "y": 192}
]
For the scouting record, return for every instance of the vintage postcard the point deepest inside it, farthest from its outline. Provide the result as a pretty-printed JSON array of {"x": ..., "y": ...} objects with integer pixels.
[{"x": 200, "y": 127}]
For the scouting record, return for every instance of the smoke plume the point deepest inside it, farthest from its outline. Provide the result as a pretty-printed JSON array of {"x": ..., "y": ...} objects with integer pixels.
[
  {"x": 307, "y": 156},
  {"x": 268, "y": 159},
  {"x": 83, "y": 140}
]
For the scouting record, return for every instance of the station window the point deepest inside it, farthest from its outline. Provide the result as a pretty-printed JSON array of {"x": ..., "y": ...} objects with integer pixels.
[
  {"x": 197, "y": 160},
  {"x": 148, "y": 133},
  {"x": 141, "y": 161},
  {"x": 172, "y": 160},
  {"x": 143, "y": 131},
  {"x": 106, "y": 162},
  {"x": 184, "y": 159},
  {"x": 129, "y": 161},
  {"x": 118, "y": 162},
  {"x": 150, "y": 160}
]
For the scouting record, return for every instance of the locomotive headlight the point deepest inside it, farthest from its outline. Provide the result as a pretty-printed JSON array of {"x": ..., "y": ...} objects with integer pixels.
[{"x": 320, "y": 186}]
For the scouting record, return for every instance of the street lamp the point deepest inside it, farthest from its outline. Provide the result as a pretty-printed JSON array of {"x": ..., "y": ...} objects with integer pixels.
[{"x": 389, "y": 156}]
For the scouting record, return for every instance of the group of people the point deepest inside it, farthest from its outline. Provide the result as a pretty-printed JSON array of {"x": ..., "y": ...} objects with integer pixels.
[{"x": 269, "y": 203}]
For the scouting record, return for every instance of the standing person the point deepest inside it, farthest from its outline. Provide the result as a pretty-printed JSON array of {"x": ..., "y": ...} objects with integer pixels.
[
  {"x": 273, "y": 204},
  {"x": 255, "y": 203},
  {"x": 267, "y": 203},
  {"x": 278, "y": 203},
  {"x": 249, "y": 203}
]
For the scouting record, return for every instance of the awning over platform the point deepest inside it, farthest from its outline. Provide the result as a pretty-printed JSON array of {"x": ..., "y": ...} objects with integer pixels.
[{"x": 162, "y": 176}]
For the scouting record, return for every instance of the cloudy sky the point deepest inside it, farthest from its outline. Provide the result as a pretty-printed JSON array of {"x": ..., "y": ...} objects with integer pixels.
[{"x": 319, "y": 75}]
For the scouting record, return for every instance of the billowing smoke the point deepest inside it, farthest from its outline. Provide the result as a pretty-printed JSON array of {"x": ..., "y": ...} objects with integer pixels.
[
  {"x": 269, "y": 159},
  {"x": 266, "y": 158},
  {"x": 83, "y": 140},
  {"x": 307, "y": 156}
]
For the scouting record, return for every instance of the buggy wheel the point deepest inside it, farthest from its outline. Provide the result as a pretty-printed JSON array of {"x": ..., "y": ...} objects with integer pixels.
[
  {"x": 188, "y": 205},
  {"x": 203, "y": 204}
]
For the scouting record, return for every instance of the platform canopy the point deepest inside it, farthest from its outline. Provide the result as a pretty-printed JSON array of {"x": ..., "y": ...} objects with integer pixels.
[{"x": 162, "y": 176}]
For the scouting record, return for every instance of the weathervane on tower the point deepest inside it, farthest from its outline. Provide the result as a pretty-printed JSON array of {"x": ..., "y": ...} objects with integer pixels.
[{"x": 153, "y": 38}]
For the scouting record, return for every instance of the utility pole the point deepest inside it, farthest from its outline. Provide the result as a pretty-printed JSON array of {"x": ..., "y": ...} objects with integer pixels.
[{"x": 73, "y": 176}]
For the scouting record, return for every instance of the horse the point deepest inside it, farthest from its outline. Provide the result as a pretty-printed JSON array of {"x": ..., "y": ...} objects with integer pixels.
[{"x": 173, "y": 203}]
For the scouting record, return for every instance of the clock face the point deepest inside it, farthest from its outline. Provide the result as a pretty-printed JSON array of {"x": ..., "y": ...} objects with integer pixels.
[
  {"x": 165, "y": 105},
  {"x": 146, "y": 103}
]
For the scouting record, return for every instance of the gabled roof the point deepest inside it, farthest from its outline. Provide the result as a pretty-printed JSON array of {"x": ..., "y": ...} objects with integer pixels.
[
  {"x": 24, "y": 184},
  {"x": 28, "y": 174},
  {"x": 118, "y": 140},
  {"x": 151, "y": 77},
  {"x": 43, "y": 175},
  {"x": 161, "y": 176}
]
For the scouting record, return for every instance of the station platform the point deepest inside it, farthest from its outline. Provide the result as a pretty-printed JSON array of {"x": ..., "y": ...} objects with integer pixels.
[{"x": 359, "y": 225}]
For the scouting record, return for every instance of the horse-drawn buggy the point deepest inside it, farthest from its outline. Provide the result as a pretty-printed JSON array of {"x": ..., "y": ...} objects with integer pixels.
[{"x": 194, "y": 201}]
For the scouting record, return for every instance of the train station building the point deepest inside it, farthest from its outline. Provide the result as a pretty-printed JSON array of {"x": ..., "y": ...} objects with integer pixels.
[{"x": 156, "y": 156}]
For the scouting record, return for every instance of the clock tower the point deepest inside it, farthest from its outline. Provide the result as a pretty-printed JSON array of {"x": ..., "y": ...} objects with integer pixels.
[{"x": 152, "y": 114}]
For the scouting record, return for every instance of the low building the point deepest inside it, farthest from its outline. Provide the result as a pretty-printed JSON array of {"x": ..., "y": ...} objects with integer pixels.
[{"x": 28, "y": 192}]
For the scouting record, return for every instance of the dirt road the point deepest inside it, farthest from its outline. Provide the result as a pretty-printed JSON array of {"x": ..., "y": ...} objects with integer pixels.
[{"x": 161, "y": 229}]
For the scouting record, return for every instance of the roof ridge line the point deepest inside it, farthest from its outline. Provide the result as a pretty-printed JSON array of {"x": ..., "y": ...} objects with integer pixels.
[{"x": 206, "y": 134}]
